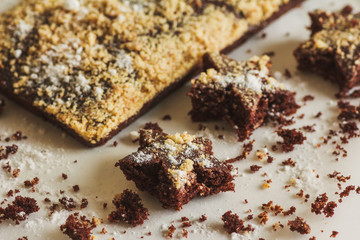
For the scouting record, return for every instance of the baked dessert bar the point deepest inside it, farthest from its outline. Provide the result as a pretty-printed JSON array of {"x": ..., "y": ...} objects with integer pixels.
[
  {"x": 176, "y": 168},
  {"x": 93, "y": 66},
  {"x": 333, "y": 50},
  {"x": 243, "y": 93}
]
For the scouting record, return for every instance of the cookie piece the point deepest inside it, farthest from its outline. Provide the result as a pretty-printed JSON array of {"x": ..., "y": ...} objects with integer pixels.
[
  {"x": 93, "y": 67},
  {"x": 243, "y": 93},
  {"x": 333, "y": 50},
  {"x": 176, "y": 168}
]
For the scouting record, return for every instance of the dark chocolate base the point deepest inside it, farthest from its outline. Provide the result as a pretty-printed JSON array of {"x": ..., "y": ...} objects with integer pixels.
[{"x": 253, "y": 30}]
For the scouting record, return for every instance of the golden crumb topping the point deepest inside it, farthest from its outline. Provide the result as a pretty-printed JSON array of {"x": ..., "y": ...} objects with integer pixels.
[{"x": 93, "y": 64}]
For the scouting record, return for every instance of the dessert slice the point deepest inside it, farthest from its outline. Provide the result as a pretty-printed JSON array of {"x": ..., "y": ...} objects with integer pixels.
[
  {"x": 333, "y": 50},
  {"x": 93, "y": 67},
  {"x": 176, "y": 168},
  {"x": 243, "y": 93}
]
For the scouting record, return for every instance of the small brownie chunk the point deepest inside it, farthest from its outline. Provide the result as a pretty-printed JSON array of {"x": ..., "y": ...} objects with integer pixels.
[
  {"x": 77, "y": 227},
  {"x": 299, "y": 225},
  {"x": 176, "y": 168},
  {"x": 243, "y": 93},
  {"x": 290, "y": 137},
  {"x": 233, "y": 224},
  {"x": 129, "y": 209},
  {"x": 333, "y": 50},
  {"x": 20, "y": 208}
]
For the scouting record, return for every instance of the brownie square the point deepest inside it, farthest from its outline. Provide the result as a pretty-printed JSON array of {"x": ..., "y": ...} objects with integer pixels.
[
  {"x": 243, "y": 93},
  {"x": 176, "y": 168},
  {"x": 333, "y": 49},
  {"x": 93, "y": 67}
]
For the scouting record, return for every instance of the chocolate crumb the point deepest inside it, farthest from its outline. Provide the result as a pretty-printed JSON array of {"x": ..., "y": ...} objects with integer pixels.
[
  {"x": 64, "y": 176},
  {"x": 334, "y": 234},
  {"x": 5, "y": 152},
  {"x": 129, "y": 209},
  {"x": 308, "y": 128},
  {"x": 68, "y": 203},
  {"x": 171, "y": 231},
  {"x": 290, "y": 137},
  {"x": 232, "y": 223},
  {"x": 347, "y": 191},
  {"x": 291, "y": 211},
  {"x": 263, "y": 217},
  {"x": 287, "y": 74},
  {"x": 299, "y": 225},
  {"x": 318, "y": 115},
  {"x": 19, "y": 210},
  {"x": 84, "y": 203},
  {"x": 289, "y": 162},
  {"x": 255, "y": 168},
  {"x": 32, "y": 183},
  {"x": 76, "y": 188},
  {"x": 308, "y": 98},
  {"x": 167, "y": 117},
  {"x": 247, "y": 148},
  {"x": 77, "y": 228},
  {"x": 329, "y": 209},
  {"x": 203, "y": 218}
]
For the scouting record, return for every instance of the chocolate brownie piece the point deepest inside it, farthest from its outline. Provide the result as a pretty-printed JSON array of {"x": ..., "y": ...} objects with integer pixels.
[
  {"x": 93, "y": 67},
  {"x": 333, "y": 50},
  {"x": 243, "y": 93},
  {"x": 176, "y": 168}
]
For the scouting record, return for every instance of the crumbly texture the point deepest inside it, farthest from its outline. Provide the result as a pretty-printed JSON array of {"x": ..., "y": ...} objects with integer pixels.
[
  {"x": 19, "y": 210},
  {"x": 176, "y": 168},
  {"x": 129, "y": 209},
  {"x": 290, "y": 138},
  {"x": 233, "y": 224},
  {"x": 92, "y": 66},
  {"x": 6, "y": 151},
  {"x": 299, "y": 225},
  {"x": 333, "y": 50},
  {"x": 77, "y": 227},
  {"x": 243, "y": 93}
]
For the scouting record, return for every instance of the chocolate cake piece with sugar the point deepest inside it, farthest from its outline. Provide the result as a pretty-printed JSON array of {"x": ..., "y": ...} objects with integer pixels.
[
  {"x": 176, "y": 168},
  {"x": 333, "y": 49},
  {"x": 243, "y": 93}
]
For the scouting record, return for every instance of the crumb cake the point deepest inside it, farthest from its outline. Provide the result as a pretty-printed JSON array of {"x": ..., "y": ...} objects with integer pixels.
[
  {"x": 243, "y": 93},
  {"x": 93, "y": 66},
  {"x": 176, "y": 168},
  {"x": 333, "y": 50}
]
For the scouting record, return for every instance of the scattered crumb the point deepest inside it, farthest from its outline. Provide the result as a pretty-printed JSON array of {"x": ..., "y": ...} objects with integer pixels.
[
  {"x": 19, "y": 210},
  {"x": 77, "y": 228},
  {"x": 290, "y": 137},
  {"x": 299, "y": 225},
  {"x": 129, "y": 209}
]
